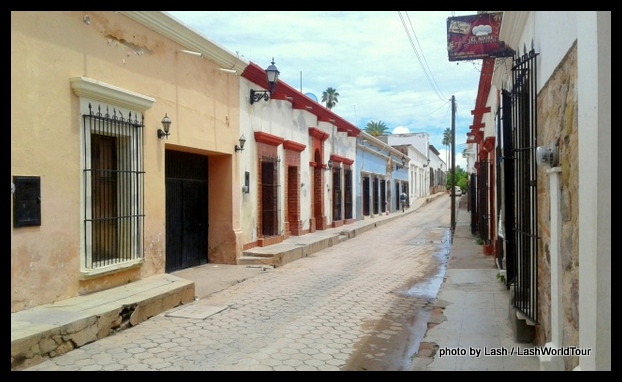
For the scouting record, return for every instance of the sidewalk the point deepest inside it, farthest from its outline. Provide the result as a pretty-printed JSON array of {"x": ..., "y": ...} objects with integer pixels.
[{"x": 471, "y": 314}]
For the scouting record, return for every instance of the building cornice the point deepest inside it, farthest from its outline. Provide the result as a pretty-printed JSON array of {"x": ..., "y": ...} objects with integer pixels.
[
  {"x": 272, "y": 140},
  {"x": 294, "y": 146},
  {"x": 317, "y": 133},
  {"x": 170, "y": 27},
  {"x": 110, "y": 94},
  {"x": 380, "y": 145},
  {"x": 339, "y": 159},
  {"x": 512, "y": 26}
]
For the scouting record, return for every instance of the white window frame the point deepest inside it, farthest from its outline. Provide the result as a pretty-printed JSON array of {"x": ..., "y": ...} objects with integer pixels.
[{"x": 98, "y": 93}]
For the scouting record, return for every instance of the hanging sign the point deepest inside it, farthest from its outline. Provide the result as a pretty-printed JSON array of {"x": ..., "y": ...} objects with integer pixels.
[{"x": 475, "y": 36}]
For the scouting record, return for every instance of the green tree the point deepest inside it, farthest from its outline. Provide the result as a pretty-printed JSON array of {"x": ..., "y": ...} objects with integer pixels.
[
  {"x": 446, "y": 142},
  {"x": 461, "y": 179},
  {"x": 329, "y": 97},
  {"x": 376, "y": 128}
]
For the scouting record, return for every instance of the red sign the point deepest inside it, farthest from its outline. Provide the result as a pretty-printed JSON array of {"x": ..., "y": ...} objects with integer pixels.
[{"x": 476, "y": 36}]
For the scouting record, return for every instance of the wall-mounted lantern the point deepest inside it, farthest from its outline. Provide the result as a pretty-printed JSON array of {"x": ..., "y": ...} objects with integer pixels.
[
  {"x": 166, "y": 124},
  {"x": 403, "y": 160},
  {"x": 272, "y": 75},
  {"x": 241, "y": 146}
]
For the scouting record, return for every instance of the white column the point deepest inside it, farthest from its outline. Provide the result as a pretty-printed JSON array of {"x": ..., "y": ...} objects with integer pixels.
[
  {"x": 594, "y": 132},
  {"x": 555, "y": 363}
]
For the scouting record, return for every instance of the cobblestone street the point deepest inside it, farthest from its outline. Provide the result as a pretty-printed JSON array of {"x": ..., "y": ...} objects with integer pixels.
[{"x": 359, "y": 305}]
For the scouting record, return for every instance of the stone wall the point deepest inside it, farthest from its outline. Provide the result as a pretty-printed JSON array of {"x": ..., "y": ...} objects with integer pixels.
[{"x": 558, "y": 122}]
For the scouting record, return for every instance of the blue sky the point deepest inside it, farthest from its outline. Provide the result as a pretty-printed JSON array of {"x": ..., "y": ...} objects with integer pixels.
[{"x": 389, "y": 66}]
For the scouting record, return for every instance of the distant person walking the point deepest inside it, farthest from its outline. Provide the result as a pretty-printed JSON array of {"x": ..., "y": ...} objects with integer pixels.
[{"x": 403, "y": 201}]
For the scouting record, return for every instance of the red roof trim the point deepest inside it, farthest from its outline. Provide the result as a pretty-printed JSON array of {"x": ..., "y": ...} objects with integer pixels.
[
  {"x": 269, "y": 139},
  {"x": 294, "y": 146},
  {"x": 489, "y": 143},
  {"x": 481, "y": 111},
  {"x": 317, "y": 133},
  {"x": 340, "y": 159},
  {"x": 283, "y": 91},
  {"x": 485, "y": 83},
  {"x": 483, "y": 91}
]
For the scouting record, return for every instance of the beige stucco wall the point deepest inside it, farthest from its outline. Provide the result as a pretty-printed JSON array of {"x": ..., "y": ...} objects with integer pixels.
[{"x": 49, "y": 48}]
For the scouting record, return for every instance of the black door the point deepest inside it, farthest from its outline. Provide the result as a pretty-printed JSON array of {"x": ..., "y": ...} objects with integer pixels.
[
  {"x": 366, "y": 186},
  {"x": 186, "y": 210}
]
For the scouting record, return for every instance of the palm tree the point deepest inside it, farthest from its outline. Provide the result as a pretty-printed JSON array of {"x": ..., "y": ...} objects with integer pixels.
[
  {"x": 446, "y": 142},
  {"x": 376, "y": 128},
  {"x": 330, "y": 98}
]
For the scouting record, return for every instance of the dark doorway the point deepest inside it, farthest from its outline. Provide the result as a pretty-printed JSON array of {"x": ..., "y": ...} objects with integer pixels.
[
  {"x": 348, "y": 194},
  {"x": 104, "y": 183},
  {"x": 383, "y": 196},
  {"x": 366, "y": 192},
  {"x": 337, "y": 194},
  {"x": 375, "y": 196},
  {"x": 186, "y": 210},
  {"x": 293, "y": 200},
  {"x": 269, "y": 197}
]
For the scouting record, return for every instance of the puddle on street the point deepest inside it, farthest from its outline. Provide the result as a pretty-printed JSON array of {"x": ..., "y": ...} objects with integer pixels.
[
  {"x": 427, "y": 288},
  {"x": 394, "y": 340},
  {"x": 381, "y": 351}
]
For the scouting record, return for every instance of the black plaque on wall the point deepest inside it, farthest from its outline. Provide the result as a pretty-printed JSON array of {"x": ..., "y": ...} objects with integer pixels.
[{"x": 27, "y": 201}]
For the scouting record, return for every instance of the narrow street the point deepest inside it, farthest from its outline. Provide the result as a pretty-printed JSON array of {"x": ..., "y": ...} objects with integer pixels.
[{"x": 361, "y": 305}]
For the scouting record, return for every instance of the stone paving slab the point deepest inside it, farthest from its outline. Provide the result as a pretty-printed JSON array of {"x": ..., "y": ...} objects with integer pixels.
[{"x": 197, "y": 311}]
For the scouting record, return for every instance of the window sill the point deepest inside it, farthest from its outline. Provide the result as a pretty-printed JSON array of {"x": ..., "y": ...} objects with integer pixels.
[{"x": 86, "y": 274}]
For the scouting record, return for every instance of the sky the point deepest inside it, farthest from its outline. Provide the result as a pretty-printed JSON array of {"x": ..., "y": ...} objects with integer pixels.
[{"x": 387, "y": 66}]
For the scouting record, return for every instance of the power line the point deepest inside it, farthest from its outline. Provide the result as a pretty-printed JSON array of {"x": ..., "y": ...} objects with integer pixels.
[
  {"x": 421, "y": 58},
  {"x": 424, "y": 59}
]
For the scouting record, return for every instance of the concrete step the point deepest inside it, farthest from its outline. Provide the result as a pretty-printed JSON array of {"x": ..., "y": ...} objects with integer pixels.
[
  {"x": 53, "y": 329},
  {"x": 293, "y": 249},
  {"x": 267, "y": 259}
]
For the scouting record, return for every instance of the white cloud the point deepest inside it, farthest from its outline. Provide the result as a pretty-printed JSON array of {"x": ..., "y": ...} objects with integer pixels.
[
  {"x": 400, "y": 130},
  {"x": 389, "y": 66}
]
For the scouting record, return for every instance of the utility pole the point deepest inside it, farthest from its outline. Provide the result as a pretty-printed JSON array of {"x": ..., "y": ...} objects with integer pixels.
[{"x": 453, "y": 165}]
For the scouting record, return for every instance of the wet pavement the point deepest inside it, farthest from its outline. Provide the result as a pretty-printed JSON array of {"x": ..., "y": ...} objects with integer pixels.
[{"x": 363, "y": 304}]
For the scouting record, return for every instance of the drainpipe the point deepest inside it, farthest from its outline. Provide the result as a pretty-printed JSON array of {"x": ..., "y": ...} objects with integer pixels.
[{"x": 555, "y": 363}]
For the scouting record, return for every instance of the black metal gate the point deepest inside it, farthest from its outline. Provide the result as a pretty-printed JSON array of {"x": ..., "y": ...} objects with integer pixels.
[
  {"x": 483, "y": 213},
  {"x": 505, "y": 181},
  {"x": 472, "y": 195},
  {"x": 524, "y": 229},
  {"x": 186, "y": 210}
]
